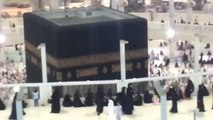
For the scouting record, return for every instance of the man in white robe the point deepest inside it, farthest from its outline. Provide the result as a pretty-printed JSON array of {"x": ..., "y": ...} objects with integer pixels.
[
  {"x": 111, "y": 110},
  {"x": 121, "y": 4},
  {"x": 118, "y": 111}
]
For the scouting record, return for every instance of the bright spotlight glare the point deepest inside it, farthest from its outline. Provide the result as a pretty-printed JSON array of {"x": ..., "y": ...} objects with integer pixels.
[
  {"x": 2, "y": 39},
  {"x": 170, "y": 33},
  {"x": 16, "y": 89}
]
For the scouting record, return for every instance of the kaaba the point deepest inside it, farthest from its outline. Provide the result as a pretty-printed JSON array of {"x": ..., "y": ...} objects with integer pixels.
[{"x": 83, "y": 44}]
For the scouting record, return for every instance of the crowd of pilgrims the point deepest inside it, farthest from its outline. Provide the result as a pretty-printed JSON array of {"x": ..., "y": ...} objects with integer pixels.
[
  {"x": 181, "y": 88},
  {"x": 10, "y": 73},
  {"x": 160, "y": 65},
  {"x": 122, "y": 103}
]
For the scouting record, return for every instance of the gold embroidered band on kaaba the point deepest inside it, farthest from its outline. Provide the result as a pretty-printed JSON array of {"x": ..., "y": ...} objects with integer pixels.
[{"x": 87, "y": 59}]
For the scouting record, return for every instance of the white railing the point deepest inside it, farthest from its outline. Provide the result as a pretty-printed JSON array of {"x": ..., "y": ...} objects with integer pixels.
[{"x": 102, "y": 82}]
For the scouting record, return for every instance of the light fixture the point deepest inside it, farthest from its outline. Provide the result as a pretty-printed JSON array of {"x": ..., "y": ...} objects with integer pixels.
[
  {"x": 2, "y": 38},
  {"x": 170, "y": 33},
  {"x": 16, "y": 89}
]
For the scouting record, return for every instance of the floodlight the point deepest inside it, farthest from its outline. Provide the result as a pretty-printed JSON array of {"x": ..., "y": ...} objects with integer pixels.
[
  {"x": 2, "y": 39},
  {"x": 170, "y": 33}
]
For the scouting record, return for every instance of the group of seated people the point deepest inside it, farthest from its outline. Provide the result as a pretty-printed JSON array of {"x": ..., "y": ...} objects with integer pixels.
[
  {"x": 90, "y": 99},
  {"x": 150, "y": 96},
  {"x": 182, "y": 21},
  {"x": 184, "y": 91},
  {"x": 76, "y": 102}
]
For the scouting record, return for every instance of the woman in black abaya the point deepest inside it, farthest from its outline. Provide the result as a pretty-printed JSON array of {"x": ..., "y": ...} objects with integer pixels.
[
  {"x": 202, "y": 91},
  {"x": 189, "y": 89},
  {"x": 67, "y": 102},
  {"x": 121, "y": 97},
  {"x": 89, "y": 100},
  {"x": 147, "y": 97},
  {"x": 2, "y": 105},
  {"x": 174, "y": 93},
  {"x": 138, "y": 100},
  {"x": 99, "y": 100},
  {"x": 77, "y": 100},
  {"x": 56, "y": 107},
  {"x": 130, "y": 102}
]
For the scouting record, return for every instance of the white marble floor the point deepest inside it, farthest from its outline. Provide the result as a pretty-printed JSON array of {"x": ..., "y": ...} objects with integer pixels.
[{"x": 145, "y": 112}]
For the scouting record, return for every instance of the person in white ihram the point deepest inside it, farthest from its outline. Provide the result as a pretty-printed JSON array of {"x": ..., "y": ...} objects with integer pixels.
[
  {"x": 36, "y": 97},
  {"x": 118, "y": 110},
  {"x": 121, "y": 4},
  {"x": 111, "y": 110}
]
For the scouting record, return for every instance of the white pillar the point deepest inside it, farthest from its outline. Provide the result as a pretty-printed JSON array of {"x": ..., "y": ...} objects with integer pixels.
[
  {"x": 38, "y": 5},
  {"x": 196, "y": 79},
  {"x": 45, "y": 91},
  {"x": 42, "y": 47},
  {"x": 163, "y": 100},
  {"x": 171, "y": 42},
  {"x": 122, "y": 65},
  {"x": 54, "y": 4},
  {"x": 163, "y": 106},
  {"x": 2, "y": 52},
  {"x": 170, "y": 37},
  {"x": 19, "y": 110},
  {"x": 171, "y": 14},
  {"x": 19, "y": 106},
  {"x": 114, "y": 4},
  {"x": 189, "y": 11},
  {"x": 196, "y": 53},
  {"x": 171, "y": 26}
]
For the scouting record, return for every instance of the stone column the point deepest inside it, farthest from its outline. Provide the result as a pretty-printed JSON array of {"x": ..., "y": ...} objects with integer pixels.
[
  {"x": 196, "y": 79},
  {"x": 54, "y": 4},
  {"x": 189, "y": 11},
  {"x": 19, "y": 106},
  {"x": 171, "y": 14},
  {"x": 122, "y": 65},
  {"x": 2, "y": 48},
  {"x": 163, "y": 101},
  {"x": 38, "y": 5},
  {"x": 171, "y": 26},
  {"x": 45, "y": 91},
  {"x": 114, "y": 4}
]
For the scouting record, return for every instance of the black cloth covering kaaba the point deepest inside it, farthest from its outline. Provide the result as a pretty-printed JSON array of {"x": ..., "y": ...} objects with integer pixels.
[
  {"x": 67, "y": 102},
  {"x": 2, "y": 105},
  {"x": 55, "y": 103}
]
